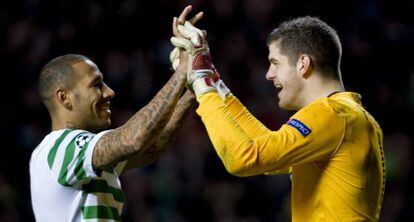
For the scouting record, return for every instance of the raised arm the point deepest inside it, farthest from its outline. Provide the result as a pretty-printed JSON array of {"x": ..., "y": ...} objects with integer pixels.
[
  {"x": 139, "y": 133},
  {"x": 167, "y": 135},
  {"x": 244, "y": 145}
]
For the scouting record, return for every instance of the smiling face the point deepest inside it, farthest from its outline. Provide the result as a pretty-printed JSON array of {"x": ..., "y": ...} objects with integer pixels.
[
  {"x": 285, "y": 77},
  {"x": 90, "y": 97}
]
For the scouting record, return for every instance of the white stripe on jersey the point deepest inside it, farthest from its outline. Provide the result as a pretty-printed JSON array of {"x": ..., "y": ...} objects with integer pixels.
[
  {"x": 110, "y": 178},
  {"x": 60, "y": 154},
  {"x": 87, "y": 164},
  {"x": 104, "y": 198}
]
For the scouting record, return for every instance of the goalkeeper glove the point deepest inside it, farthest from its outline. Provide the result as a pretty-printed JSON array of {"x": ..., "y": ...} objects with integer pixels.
[
  {"x": 198, "y": 38},
  {"x": 175, "y": 58},
  {"x": 219, "y": 84},
  {"x": 199, "y": 66}
]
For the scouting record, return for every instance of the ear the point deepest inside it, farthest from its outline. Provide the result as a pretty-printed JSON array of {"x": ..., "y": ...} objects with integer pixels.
[
  {"x": 63, "y": 98},
  {"x": 304, "y": 65}
]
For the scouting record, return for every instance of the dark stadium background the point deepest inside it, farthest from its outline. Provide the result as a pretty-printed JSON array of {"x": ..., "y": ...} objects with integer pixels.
[{"x": 129, "y": 40}]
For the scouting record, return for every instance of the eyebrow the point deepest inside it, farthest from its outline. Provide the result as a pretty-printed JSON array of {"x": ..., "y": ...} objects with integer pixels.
[
  {"x": 273, "y": 60},
  {"x": 96, "y": 79}
]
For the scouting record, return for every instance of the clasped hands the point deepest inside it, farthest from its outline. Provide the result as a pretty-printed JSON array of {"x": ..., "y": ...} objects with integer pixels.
[{"x": 202, "y": 77}]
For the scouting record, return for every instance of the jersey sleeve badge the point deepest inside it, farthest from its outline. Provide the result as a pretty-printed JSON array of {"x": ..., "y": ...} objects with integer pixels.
[
  {"x": 83, "y": 139},
  {"x": 299, "y": 126}
]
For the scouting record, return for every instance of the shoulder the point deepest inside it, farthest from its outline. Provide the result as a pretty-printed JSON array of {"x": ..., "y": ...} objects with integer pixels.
[
  {"x": 320, "y": 116},
  {"x": 53, "y": 138},
  {"x": 320, "y": 110},
  {"x": 60, "y": 140}
]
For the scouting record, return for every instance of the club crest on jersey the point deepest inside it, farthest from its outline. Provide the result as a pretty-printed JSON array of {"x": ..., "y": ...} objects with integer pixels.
[
  {"x": 299, "y": 126},
  {"x": 83, "y": 139}
]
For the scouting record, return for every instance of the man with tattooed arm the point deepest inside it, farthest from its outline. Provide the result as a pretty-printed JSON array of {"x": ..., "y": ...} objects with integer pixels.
[{"x": 75, "y": 170}]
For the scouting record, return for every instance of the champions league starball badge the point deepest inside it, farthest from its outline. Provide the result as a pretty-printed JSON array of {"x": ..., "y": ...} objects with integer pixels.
[{"x": 82, "y": 140}]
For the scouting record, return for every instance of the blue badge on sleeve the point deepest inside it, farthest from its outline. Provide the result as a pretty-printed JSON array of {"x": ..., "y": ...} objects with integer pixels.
[{"x": 299, "y": 126}]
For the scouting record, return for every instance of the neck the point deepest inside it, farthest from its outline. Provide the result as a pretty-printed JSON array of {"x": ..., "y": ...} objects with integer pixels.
[
  {"x": 60, "y": 122},
  {"x": 317, "y": 88}
]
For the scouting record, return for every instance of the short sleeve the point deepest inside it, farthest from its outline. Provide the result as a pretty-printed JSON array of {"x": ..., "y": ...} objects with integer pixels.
[{"x": 70, "y": 159}]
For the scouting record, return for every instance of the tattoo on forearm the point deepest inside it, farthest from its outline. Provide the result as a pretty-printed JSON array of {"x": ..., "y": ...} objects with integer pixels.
[
  {"x": 167, "y": 135},
  {"x": 157, "y": 115},
  {"x": 139, "y": 132},
  {"x": 177, "y": 119}
]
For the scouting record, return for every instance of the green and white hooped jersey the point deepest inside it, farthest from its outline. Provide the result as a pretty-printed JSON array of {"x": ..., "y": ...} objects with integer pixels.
[{"x": 64, "y": 186}]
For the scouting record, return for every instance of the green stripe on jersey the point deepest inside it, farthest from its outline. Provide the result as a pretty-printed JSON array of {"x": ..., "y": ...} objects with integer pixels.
[
  {"x": 104, "y": 212},
  {"x": 70, "y": 151},
  {"x": 52, "y": 153},
  {"x": 79, "y": 170},
  {"x": 101, "y": 186}
]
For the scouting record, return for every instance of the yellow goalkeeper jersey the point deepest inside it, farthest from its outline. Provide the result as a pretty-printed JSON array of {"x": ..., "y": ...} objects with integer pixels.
[{"x": 332, "y": 147}]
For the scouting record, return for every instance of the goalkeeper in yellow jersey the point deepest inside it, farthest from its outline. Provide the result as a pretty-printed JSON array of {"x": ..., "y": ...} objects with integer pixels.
[{"x": 331, "y": 146}]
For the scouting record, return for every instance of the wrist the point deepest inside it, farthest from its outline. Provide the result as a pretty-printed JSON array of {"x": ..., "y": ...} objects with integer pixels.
[
  {"x": 181, "y": 73},
  {"x": 203, "y": 85},
  {"x": 222, "y": 89},
  {"x": 189, "y": 95}
]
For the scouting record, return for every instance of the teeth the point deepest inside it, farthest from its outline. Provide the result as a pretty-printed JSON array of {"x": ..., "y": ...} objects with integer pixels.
[
  {"x": 278, "y": 86},
  {"x": 105, "y": 106}
]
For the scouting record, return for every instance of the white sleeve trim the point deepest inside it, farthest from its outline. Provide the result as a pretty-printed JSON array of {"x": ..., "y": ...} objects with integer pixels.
[{"x": 90, "y": 172}]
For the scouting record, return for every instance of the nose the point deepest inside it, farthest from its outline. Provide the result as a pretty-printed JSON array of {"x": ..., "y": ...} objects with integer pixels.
[
  {"x": 270, "y": 75},
  {"x": 108, "y": 93}
]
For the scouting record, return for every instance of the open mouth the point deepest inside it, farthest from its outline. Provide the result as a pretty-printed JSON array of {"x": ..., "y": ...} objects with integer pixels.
[
  {"x": 278, "y": 86},
  {"x": 106, "y": 106}
]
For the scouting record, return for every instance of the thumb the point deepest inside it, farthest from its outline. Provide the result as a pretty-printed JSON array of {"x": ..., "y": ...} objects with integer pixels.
[
  {"x": 182, "y": 43},
  {"x": 174, "y": 54},
  {"x": 175, "y": 58}
]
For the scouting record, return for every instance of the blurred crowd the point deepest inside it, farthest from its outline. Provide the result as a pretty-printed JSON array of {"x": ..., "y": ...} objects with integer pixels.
[{"x": 129, "y": 41}]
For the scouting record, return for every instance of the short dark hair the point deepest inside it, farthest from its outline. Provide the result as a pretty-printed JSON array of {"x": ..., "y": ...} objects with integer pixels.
[
  {"x": 311, "y": 36},
  {"x": 57, "y": 72}
]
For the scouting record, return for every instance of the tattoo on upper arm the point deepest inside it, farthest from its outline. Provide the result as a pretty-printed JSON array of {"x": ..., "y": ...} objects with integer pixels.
[{"x": 102, "y": 149}]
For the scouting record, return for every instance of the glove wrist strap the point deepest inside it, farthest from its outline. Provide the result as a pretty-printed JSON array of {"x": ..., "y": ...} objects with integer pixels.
[
  {"x": 222, "y": 89},
  {"x": 203, "y": 85}
]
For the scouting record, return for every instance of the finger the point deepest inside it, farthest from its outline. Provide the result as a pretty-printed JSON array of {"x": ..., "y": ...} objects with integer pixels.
[
  {"x": 181, "y": 43},
  {"x": 175, "y": 58},
  {"x": 174, "y": 54},
  {"x": 176, "y": 62},
  {"x": 184, "y": 31},
  {"x": 196, "y": 18},
  {"x": 193, "y": 28},
  {"x": 190, "y": 34},
  {"x": 184, "y": 13},
  {"x": 175, "y": 28}
]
